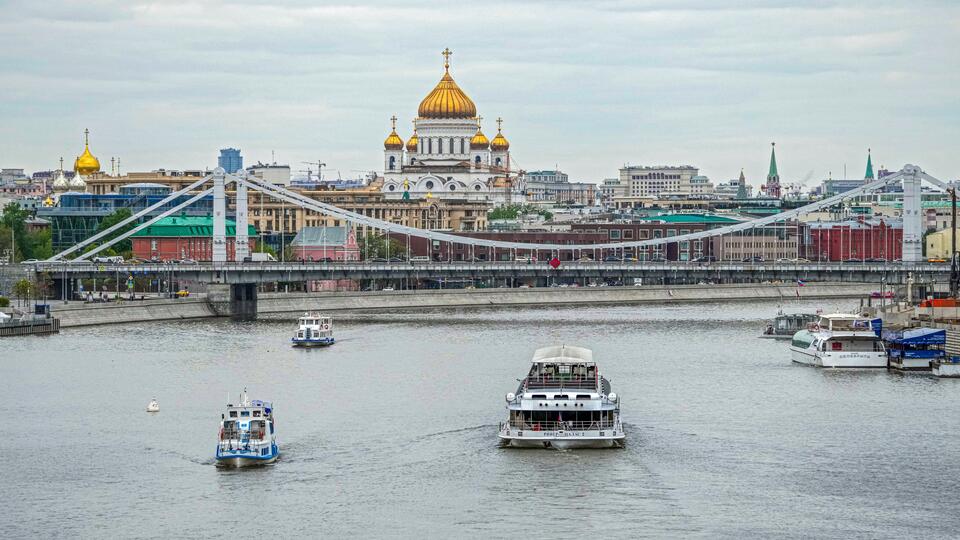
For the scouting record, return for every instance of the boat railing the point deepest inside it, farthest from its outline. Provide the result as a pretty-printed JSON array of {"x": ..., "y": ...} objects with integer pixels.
[
  {"x": 563, "y": 425},
  {"x": 561, "y": 382}
]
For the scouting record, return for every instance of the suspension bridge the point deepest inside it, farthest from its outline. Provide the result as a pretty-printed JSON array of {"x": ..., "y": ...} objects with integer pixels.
[{"x": 237, "y": 281}]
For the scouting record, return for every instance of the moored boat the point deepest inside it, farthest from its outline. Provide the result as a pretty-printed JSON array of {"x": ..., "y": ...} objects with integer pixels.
[
  {"x": 839, "y": 341},
  {"x": 946, "y": 367},
  {"x": 315, "y": 330},
  {"x": 785, "y": 325},
  {"x": 564, "y": 402},
  {"x": 247, "y": 434}
]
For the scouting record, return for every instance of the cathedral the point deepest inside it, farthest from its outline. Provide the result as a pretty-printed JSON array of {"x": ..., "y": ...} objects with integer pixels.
[{"x": 448, "y": 156}]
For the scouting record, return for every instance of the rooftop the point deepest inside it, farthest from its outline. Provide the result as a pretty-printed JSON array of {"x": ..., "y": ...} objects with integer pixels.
[{"x": 187, "y": 226}]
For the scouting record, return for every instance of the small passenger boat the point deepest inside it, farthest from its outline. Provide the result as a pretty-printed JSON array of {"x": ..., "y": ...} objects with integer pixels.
[
  {"x": 153, "y": 406},
  {"x": 247, "y": 434},
  {"x": 564, "y": 402},
  {"x": 315, "y": 330},
  {"x": 839, "y": 341},
  {"x": 785, "y": 325}
]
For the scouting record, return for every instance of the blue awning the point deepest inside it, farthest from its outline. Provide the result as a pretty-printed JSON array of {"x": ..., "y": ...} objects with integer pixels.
[{"x": 917, "y": 336}]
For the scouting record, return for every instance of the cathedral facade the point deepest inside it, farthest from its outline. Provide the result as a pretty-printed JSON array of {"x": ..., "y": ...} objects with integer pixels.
[{"x": 448, "y": 156}]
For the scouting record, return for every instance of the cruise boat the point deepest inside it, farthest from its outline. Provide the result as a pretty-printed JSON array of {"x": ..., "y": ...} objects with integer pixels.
[
  {"x": 564, "y": 402},
  {"x": 247, "y": 434},
  {"x": 315, "y": 330},
  {"x": 839, "y": 341},
  {"x": 948, "y": 366}
]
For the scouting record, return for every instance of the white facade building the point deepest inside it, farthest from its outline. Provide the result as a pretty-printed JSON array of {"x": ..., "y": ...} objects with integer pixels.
[{"x": 448, "y": 156}]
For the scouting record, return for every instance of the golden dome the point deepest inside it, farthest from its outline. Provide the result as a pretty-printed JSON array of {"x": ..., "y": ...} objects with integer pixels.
[
  {"x": 393, "y": 141},
  {"x": 499, "y": 143},
  {"x": 413, "y": 142},
  {"x": 447, "y": 100},
  {"x": 86, "y": 163},
  {"x": 479, "y": 141}
]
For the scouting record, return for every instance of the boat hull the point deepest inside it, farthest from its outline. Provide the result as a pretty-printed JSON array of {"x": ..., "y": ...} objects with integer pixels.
[
  {"x": 562, "y": 443},
  {"x": 246, "y": 459},
  {"x": 811, "y": 357},
  {"x": 314, "y": 342},
  {"x": 945, "y": 369}
]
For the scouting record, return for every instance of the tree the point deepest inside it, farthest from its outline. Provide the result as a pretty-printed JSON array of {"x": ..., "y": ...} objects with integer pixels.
[
  {"x": 14, "y": 218},
  {"x": 22, "y": 289},
  {"x": 375, "y": 246},
  {"x": 124, "y": 245}
]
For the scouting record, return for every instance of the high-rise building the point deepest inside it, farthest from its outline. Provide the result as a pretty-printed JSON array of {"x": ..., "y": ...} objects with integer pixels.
[{"x": 230, "y": 160}]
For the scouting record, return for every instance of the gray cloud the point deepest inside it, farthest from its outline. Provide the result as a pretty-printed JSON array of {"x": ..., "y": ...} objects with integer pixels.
[{"x": 588, "y": 86}]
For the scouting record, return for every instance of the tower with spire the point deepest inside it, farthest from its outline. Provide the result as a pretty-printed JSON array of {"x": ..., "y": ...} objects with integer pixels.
[
  {"x": 742, "y": 187},
  {"x": 869, "y": 174},
  {"x": 772, "y": 187}
]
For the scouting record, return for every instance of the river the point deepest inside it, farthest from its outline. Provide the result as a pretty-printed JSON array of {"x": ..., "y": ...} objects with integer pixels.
[{"x": 392, "y": 432}]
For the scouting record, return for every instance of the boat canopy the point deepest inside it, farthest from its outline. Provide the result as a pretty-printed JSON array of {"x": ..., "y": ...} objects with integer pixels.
[
  {"x": 562, "y": 354},
  {"x": 917, "y": 336}
]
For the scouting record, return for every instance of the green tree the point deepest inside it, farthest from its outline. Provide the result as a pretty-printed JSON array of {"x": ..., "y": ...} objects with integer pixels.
[
  {"x": 14, "y": 218},
  {"x": 514, "y": 211},
  {"x": 124, "y": 245},
  {"x": 4, "y": 301},
  {"x": 22, "y": 289},
  {"x": 375, "y": 246}
]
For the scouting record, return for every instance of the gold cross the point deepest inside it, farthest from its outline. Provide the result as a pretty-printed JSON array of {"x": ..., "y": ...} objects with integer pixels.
[
  {"x": 393, "y": 122},
  {"x": 61, "y": 163},
  {"x": 446, "y": 58},
  {"x": 479, "y": 119},
  {"x": 499, "y": 123},
  {"x": 86, "y": 137}
]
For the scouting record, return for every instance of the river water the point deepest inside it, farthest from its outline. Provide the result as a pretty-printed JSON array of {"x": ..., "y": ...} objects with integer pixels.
[{"x": 392, "y": 432}]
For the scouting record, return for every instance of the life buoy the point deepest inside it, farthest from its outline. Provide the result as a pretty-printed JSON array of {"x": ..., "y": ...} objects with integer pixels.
[
  {"x": 221, "y": 433},
  {"x": 536, "y": 427},
  {"x": 326, "y": 327}
]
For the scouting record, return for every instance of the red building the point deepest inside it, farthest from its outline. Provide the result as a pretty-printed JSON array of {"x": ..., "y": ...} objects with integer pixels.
[
  {"x": 326, "y": 244},
  {"x": 184, "y": 237},
  {"x": 861, "y": 239}
]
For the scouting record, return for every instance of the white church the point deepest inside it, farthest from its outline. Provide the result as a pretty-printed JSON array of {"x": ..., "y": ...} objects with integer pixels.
[{"x": 448, "y": 156}]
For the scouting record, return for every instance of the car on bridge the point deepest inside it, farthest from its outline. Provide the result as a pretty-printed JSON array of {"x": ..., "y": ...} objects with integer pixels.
[
  {"x": 704, "y": 259},
  {"x": 753, "y": 260}
]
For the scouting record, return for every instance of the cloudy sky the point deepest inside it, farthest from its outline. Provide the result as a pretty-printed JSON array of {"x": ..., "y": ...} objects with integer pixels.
[{"x": 587, "y": 86}]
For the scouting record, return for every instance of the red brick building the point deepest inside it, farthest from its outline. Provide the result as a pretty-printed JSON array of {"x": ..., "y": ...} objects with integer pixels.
[
  {"x": 184, "y": 237},
  {"x": 861, "y": 239}
]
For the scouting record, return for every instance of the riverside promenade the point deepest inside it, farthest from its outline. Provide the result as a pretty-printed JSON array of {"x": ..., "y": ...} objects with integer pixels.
[{"x": 270, "y": 305}]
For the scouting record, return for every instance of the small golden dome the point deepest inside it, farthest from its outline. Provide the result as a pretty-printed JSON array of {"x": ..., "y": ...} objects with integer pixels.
[
  {"x": 393, "y": 141},
  {"x": 447, "y": 100},
  {"x": 479, "y": 141},
  {"x": 499, "y": 143},
  {"x": 413, "y": 142},
  {"x": 86, "y": 163}
]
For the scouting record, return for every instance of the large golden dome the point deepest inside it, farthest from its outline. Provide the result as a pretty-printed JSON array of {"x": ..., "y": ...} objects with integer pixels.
[
  {"x": 86, "y": 163},
  {"x": 447, "y": 100},
  {"x": 393, "y": 141}
]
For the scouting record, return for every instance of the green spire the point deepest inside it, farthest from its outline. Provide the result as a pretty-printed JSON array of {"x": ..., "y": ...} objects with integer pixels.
[
  {"x": 869, "y": 174},
  {"x": 773, "y": 162}
]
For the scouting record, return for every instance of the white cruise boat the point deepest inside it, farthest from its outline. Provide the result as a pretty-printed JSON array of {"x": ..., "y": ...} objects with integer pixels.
[
  {"x": 315, "y": 330},
  {"x": 839, "y": 341},
  {"x": 564, "y": 402},
  {"x": 247, "y": 434}
]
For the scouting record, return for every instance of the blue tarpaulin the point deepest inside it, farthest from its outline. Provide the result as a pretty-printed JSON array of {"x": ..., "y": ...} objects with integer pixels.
[{"x": 916, "y": 336}]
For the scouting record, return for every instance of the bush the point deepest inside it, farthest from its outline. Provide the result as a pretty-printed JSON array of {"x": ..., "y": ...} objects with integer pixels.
[{"x": 4, "y": 301}]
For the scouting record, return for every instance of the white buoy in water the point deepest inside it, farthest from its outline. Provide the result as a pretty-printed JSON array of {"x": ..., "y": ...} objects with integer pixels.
[{"x": 153, "y": 406}]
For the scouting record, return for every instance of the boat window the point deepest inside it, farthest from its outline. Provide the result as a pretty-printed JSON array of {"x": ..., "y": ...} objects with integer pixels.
[
  {"x": 233, "y": 414},
  {"x": 583, "y": 396},
  {"x": 244, "y": 413},
  {"x": 539, "y": 396},
  {"x": 836, "y": 345},
  {"x": 256, "y": 413},
  {"x": 564, "y": 368},
  {"x": 560, "y": 396}
]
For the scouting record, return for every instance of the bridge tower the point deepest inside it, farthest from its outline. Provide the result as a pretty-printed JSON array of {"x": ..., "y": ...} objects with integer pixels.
[
  {"x": 219, "y": 217},
  {"x": 912, "y": 218},
  {"x": 242, "y": 248}
]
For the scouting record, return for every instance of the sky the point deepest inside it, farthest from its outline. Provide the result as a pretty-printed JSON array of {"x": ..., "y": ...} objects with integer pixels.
[{"x": 585, "y": 86}]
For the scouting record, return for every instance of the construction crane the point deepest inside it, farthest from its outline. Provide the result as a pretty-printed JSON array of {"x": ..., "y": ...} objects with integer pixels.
[{"x": 320, "y": 165}]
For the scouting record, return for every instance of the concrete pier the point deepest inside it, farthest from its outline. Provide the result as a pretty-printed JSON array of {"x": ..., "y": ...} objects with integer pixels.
[{"x": 224, "y": 301}]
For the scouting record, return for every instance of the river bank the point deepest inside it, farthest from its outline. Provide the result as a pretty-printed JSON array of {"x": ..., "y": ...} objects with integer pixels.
[{"x": 279, "y": 304}]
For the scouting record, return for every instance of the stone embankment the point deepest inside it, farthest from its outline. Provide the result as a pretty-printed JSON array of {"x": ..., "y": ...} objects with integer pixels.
[{"x": 268, "y": 304}]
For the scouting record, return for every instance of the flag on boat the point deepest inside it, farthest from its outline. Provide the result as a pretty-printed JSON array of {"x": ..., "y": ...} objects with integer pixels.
[{"x": 801, "y": 283}]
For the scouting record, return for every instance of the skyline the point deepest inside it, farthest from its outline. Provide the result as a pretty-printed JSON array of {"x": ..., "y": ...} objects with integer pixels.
[{"x": 166, "y": 85}]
